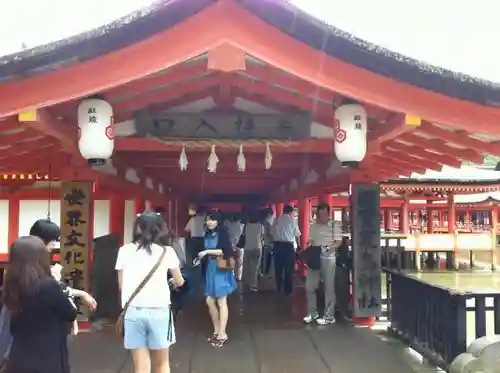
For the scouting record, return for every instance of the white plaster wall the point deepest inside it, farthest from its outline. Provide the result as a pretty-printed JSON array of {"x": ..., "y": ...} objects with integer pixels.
[
  {"x": 101, "y": 217},
  {"x": 32, "y": 210},
  {"x": 4, "y": 228},
  {"x": 337, "y": 215},
  {"x": 129, "y": 220}
]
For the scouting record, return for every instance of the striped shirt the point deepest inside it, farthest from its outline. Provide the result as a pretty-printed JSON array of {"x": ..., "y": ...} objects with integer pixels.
[
  {"x": 285, "y": 229},
  {"x": 326, "y": 235}
]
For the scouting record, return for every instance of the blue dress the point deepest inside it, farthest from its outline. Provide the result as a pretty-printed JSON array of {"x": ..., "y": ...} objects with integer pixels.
[{"x": 218, "y": 284}]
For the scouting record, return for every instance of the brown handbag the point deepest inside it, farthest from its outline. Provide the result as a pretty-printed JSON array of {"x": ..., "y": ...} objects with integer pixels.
[
  {"x": 120, "y": 328},
  {"x": 225, "y": 264}
]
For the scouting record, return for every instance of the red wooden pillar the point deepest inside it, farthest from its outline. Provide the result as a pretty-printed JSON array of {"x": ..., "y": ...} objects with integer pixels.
[
  {"x": 279, "y": 208},
  {"x": 13, "y": 219},
  {"x": 139, "y": 206},
  {"x": 467, "y": 220},
  {"x": 328, "y": 199},
  {"x": 273, "y": 206},
  {"x": 441, "y": 219},
  {"x": 117, "y": 217},
  {"x": 430, "y": 218},
  {"x": 304, "y": 223},
  {"x": 403, "y": 218},
  {"x": 452, "y": 223},
  {"x": 304, "y": 220},
  {"x": 452, "y": 216},
  {"x": 387, "y": 219},
  {"x": 180, "y": 216}
]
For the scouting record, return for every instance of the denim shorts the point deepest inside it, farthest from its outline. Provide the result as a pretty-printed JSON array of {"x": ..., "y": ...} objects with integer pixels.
[{"x": 151, "y": 328}]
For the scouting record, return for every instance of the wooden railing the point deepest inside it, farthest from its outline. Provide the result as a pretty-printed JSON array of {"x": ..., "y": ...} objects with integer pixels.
[
  {"x": 438, "y": 322},
  {"x": 406, "y": 248}
]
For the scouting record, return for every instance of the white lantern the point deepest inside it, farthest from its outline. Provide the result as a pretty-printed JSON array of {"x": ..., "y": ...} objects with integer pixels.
[
  {"x": 350, "y": 128},
  {"x": 96, "y": 138}
]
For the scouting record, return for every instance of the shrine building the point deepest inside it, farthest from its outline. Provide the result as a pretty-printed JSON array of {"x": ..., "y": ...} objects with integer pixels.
[{"x": 228, "y": 103}]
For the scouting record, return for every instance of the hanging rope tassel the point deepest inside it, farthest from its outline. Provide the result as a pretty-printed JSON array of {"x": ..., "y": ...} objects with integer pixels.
[
  {"x": 268, "y": 159},
  {"x": 212, "y": 161},
  {"x": 241, "y": 161},
  {"x": 183, "y": 160}
]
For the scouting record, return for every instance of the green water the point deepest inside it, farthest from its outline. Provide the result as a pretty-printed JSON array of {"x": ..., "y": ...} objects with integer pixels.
[
  {"x": 463, "y": 281},
  {"x": 467, "y": 281}
]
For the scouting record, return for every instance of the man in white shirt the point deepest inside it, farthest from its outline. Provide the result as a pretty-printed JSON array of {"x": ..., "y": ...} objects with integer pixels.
[
  {"x": 267, "y": 251},
  {"x": 285, "y": 233},
  {"x": 325, "y": 236},
  {"x": 195, "y": 230}
]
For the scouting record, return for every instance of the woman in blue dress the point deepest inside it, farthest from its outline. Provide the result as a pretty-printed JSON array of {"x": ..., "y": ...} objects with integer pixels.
[{"x": 219, "y": 283}]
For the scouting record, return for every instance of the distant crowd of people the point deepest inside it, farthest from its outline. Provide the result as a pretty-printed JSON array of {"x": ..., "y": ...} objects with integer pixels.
[{"x": 39, "y": 309}]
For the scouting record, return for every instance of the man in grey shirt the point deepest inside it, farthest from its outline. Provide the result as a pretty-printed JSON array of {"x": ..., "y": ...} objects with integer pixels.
[{"x": 325, "y": 234}]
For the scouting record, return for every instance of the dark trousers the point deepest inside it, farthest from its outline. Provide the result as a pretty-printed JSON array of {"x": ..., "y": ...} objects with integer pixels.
[
  {"x": 266, "y": 259},
  {"x": 284, "y": 263}
]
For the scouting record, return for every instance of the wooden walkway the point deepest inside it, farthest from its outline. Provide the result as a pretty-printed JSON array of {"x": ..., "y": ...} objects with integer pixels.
[{"x": 266, "y": 336}]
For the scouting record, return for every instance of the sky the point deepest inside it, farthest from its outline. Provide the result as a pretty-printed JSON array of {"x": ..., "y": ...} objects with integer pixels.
[{"x": 462, "y": 36}]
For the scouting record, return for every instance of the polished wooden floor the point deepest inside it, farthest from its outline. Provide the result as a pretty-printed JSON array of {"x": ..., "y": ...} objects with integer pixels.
[{"x": 266, "y": 336}]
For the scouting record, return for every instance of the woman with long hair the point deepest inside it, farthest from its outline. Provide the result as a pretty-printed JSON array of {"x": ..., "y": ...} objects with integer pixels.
[
  {"x": 40, "y": 312},
  {"x": 149, "y": 328},
  {"x": 219, "y": 283}
]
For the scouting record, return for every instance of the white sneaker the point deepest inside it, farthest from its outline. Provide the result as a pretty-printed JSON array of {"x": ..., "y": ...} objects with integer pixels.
[
  {"x": 325, "y": 321},
  {"x": 310, "y": 318}
]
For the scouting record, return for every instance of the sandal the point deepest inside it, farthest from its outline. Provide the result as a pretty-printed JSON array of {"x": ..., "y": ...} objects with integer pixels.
[
  {"x": 212, "y": 338},
  {"x": 219, "y": 342}
]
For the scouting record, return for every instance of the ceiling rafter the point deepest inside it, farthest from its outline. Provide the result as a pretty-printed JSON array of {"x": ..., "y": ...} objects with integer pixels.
[
  {"x": 439, "y": 146},
  {"x": 401, "y": 164},
  {"x": 164, "y": 95},
  {"x": 421, "y": 152},
  {"x": 173, "y": 75},
  {"x": 425, "y": 163},
  {"x": 272, "y": 75},
  {"x": 462, "y": 138}
]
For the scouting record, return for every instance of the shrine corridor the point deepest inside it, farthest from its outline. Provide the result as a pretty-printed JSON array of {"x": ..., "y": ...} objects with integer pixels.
[{"x": 266, "y": 336}]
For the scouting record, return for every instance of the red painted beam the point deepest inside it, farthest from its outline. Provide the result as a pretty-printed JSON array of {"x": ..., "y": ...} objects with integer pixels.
[
  {"x": 273, "y": 76},
  {"x": 64, "y": 133},
  {"x": 421, "y": 152},
  {"x": 253, "y": 160},
  {"x": 413, "y": 160},
  {"x": 226, "y": 58},
  {"x": 26, "y": 148},
  {"x": 164, "y": 95},
  {"x": 174, "y": 75},
  {"x": 439, "y": 145},
  {"x": 462, "y": 138},
  {"x": 126, "y": 144}
]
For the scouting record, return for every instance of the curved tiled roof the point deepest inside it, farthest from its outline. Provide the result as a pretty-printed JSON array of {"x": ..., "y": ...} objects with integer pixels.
[{"x": 282, "y": 15}]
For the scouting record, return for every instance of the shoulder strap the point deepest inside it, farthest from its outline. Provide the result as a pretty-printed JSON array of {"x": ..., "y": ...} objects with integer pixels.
[{"x": 146, "y": 279}]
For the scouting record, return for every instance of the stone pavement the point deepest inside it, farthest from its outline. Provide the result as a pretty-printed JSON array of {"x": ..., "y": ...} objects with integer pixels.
[{"x": 266, "y": 336}]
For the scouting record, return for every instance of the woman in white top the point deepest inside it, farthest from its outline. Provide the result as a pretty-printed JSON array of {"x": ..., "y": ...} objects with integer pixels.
[
  {"x": 254, "y": 240},
  {"x": 149, "y": 329}
]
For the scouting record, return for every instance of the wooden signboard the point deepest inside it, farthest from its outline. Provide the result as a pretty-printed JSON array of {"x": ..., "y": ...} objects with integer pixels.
[
  {"x": 367, "y": 266},
  {"x": 75, "y": 235},
  {"x": 292, "y": 127}
]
